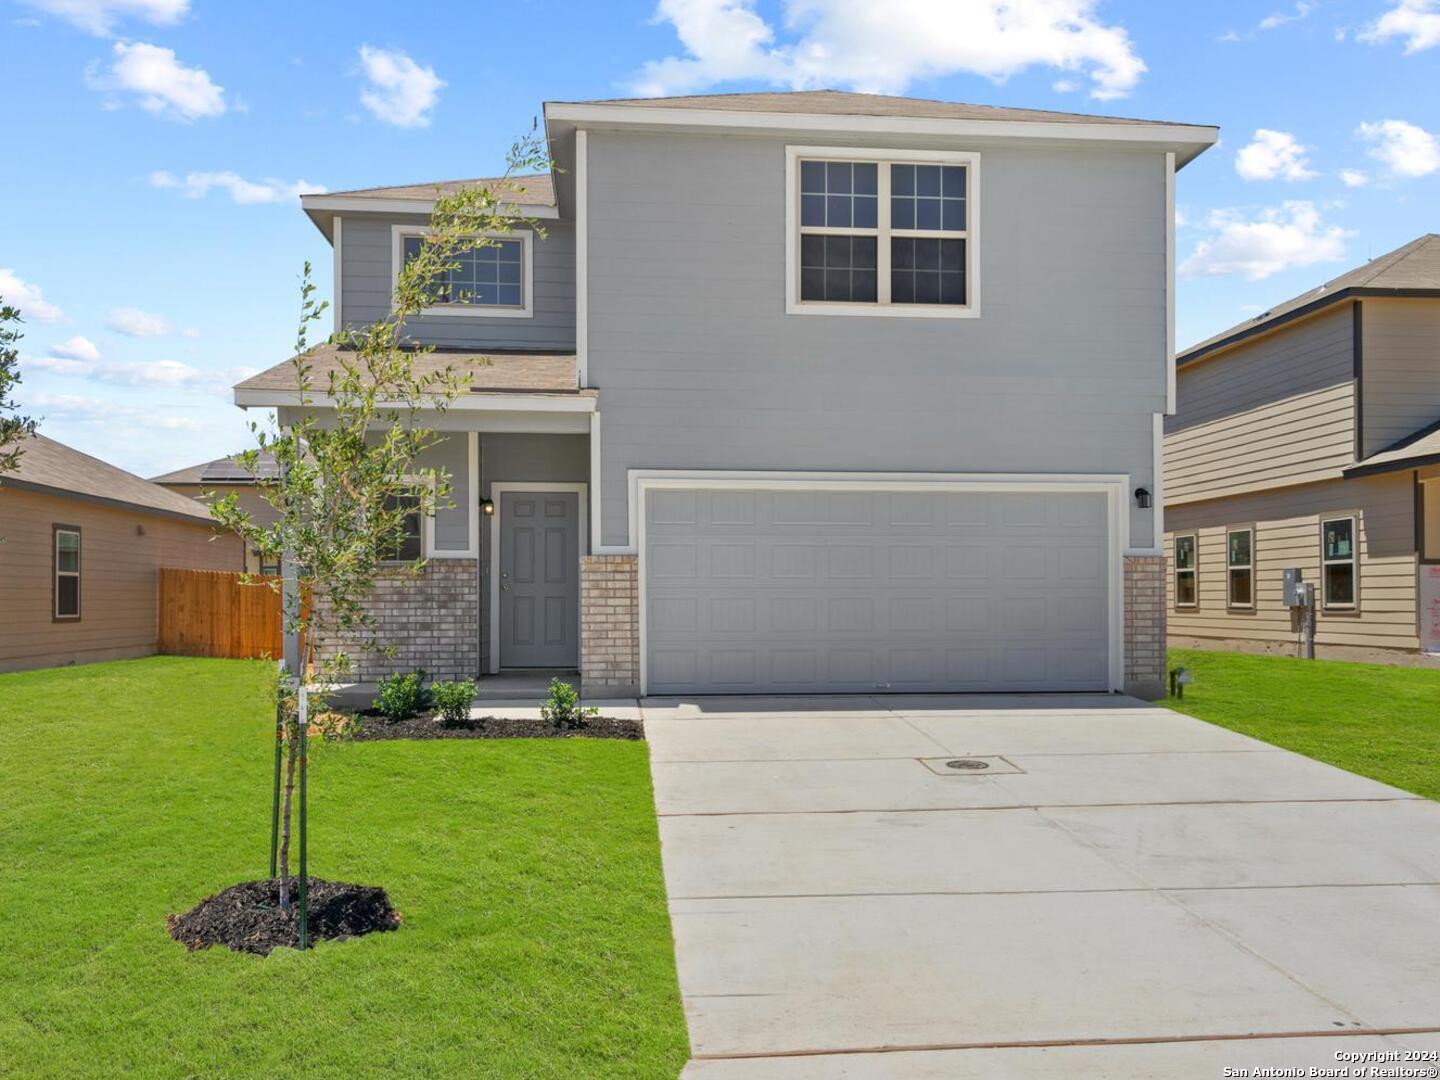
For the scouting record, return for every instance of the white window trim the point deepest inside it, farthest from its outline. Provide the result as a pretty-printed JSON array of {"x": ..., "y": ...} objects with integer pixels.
[
  {"x": 1114, "y": 487},
  {"x": 55, "y": 586},
  {"x": 526, "y": 310},
  {"x": 1230, "y": 601},
  {"x": 971, "y": 160},
  {"x": 1353, "y": 562},
  {"x": 1193, "y": 570},
  {"x": 499, "y": 488}
]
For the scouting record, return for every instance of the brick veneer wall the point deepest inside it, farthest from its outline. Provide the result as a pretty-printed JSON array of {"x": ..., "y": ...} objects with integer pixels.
[
  {"x": 609, "y": 625},
  {"x": 433, "y": 622},
  {"x": 1145, "y": 626}
]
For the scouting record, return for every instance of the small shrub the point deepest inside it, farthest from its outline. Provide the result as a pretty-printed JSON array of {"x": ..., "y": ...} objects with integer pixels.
[
  {"x": 402, "y": 696},
  {"x": 453, "y": 699},
  {"x": 564, "y": 709},
  {"x": 333, "y": 725}
]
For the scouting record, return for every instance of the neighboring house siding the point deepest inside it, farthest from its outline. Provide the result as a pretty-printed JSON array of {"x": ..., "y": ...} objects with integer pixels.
[
  {"x": 699, "y": 366},
  {"x": 367, "y": 287},
  {"x": 1276, "y": 411},
  {"x": 1287, "y": 534},
  {"x": 1400, "y": 369},
  {"x": 118, "y": 590},
  {"x": 249, "y": 499}
]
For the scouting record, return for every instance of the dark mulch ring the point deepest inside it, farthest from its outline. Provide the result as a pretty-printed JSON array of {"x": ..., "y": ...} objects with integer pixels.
[
  {"x": 374, "y": 726},
  {"x": 247, "y": 917}
]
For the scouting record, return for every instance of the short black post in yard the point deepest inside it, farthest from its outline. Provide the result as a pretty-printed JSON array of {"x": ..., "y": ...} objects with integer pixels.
[{"x": 304, "y": 870}]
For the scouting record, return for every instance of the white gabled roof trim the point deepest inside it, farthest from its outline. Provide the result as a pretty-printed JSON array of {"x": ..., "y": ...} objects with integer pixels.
[
  {"x": 1191, "y": 137},
  {"x": 562, "y": 403},
  {"x": 360, "y": 204}
]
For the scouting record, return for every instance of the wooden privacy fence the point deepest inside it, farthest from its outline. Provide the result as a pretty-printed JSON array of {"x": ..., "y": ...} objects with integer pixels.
[{"x": 212, "y": 613}]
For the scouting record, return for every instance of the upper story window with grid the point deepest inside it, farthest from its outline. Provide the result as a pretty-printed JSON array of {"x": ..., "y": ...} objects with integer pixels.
[
  {"x": 492, "y": 279},
  {"x": 882, "y": 232}
]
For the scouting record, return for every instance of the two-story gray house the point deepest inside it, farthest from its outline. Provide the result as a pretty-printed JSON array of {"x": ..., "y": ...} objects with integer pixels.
[{"x": 800, "y": 392}]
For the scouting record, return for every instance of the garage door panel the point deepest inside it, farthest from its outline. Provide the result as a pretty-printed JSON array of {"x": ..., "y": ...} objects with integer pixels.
[{"x": 796, "y": 591}]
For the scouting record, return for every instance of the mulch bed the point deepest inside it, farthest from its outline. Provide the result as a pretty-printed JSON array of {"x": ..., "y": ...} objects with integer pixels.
[
  {"x": 374, "y": 726},
  {"x": 247, "y": 917}
]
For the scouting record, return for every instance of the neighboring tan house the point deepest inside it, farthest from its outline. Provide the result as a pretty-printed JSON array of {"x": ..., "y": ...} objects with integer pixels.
[
  {"x": 82, "y": 541},
  {"x": 741, "y": 422},
  {"x": 224, "y": 476},
  {"x": 1309, "y": 437}
]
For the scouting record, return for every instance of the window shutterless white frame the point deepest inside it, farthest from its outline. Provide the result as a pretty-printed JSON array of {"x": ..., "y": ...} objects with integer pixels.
[
  {"x": 57, "y": 532},
  {"x": 1232, "y": 567},
  {"x": 885, "y": 158},
  {"x": 525, "y": 310},
  {"x": 1192, "y": 571},
  {"x": 498, "y": 488},
  {"x": 427, "y": 523},
  {"x": 1352, "y": 561}
]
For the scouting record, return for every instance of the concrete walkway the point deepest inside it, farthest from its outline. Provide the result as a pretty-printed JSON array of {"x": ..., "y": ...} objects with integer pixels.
[{"x": 1124, "y": 892}]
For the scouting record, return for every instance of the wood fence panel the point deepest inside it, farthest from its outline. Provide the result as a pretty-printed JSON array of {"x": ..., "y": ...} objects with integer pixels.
[{"x": 212, "y": 613}]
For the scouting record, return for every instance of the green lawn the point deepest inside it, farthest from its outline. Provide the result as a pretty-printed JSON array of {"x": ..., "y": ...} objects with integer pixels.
[
  {"x": 1373, "y": 719},
  {"x": 535, "y": 940}
]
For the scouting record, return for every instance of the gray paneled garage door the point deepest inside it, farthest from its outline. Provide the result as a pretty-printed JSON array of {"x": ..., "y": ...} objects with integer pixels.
[{"x": 853, "y": 591}]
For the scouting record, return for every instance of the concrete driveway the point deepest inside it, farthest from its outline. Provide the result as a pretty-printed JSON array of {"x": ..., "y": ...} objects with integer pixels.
[{"x": 1123, "y": 892}]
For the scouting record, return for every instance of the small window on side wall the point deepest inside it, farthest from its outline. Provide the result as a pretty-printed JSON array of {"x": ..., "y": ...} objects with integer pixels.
[
  {"x": 493, "y": 278},
  {"x": 1337, "y": 563},
  {"x": 66, "y": 569},
  {"x": 1186, "y": 593},
  {"x": 1240, "y": 568}
]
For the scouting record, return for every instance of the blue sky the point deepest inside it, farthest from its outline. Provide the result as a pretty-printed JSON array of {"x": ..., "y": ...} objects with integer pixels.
[{"x": 152, "y": 233}]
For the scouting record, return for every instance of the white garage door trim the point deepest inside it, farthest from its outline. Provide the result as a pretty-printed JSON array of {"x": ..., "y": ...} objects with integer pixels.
[{"x": 1113, "y": 486}]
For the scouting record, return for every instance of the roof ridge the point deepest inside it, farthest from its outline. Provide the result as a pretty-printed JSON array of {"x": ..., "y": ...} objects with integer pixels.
[{"x": 442, "y": 183}]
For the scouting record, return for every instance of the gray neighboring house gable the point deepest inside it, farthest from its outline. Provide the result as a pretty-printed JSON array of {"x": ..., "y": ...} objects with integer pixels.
[{"x": 674, "y": 277}]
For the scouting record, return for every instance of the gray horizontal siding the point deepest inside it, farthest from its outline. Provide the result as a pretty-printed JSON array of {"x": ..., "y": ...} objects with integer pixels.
[
  {"x": 365, "y": 256},
  {"x": 1401, "y": 369},
  {"x": 699, "y": 366}
]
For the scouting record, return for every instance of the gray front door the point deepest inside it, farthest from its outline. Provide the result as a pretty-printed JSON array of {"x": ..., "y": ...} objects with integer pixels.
[
  {"x": 864, "y": 591},
  {"x": 539, "y": 579}
]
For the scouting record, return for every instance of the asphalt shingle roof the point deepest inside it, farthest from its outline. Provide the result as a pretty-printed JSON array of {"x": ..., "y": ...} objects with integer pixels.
[
  {"x": 59, "y": 469},
  {"x": 494, "y": 372}
]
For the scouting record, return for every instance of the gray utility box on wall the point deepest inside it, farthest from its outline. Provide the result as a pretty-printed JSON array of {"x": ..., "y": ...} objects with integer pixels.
[{"x": 1294, "y": 587}]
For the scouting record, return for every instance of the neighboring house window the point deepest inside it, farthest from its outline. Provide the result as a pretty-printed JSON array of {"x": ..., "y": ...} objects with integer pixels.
[
  {"x": 1185, "y": 569},
  {"x": 66, "y": 565},
  {"x": 1337, "y": 563},
  {"x": 492, "y": 279},
  {"x": 1240, "y": 567},
  {"x": 411, "y": 546},
  {"x": 872, "y": 230}
]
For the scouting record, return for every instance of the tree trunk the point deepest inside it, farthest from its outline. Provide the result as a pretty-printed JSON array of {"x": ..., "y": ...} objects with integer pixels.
[{"x": 292, "y": 752}]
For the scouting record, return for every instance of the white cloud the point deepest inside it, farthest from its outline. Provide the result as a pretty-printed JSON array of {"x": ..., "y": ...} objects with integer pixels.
[
  {"x": 1417, "y": 21},
  {"x": 1273, "y": 155},
  {"x": 1300, "y": 11},
  {"x": 1406, "y": 150},
  {"x": 197, "y": 185},
  {"x": 400, "y": 91},
  {"x": 17, "y": 292},
  {"x": 100, "y": 16},
  {"x": 141, "y": 374},
  {"x": 883, "y": 48},
  {"x": 78, "y": 408},
  {"x": 77, "y": 348},
  {"x": 161, "y": 83},
  {"x": 1353, "y": 178},
  {"x": 133, "y": 322},
  {"x": 1278, "y": 238}
]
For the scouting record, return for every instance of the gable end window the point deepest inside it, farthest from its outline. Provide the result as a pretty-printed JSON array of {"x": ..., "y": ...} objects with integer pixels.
[
  {"x": 1240, "y": 568},
  {"x": 493, "y": 279},
  {"x": 65, "y": 573},
  {"x": 1337, "y": 564},
  {"x": 1186, "y": 595},
  {"x": 890, "y": 232}
]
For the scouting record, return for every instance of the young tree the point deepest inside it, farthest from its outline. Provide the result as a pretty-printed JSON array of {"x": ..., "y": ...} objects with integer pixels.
[
  {"x": 347, "y": 454},
  {"x": 14, "y": 428}
]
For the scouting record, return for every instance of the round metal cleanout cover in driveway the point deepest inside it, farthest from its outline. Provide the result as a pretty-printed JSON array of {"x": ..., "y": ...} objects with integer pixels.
[{"x": 967, "y": 764}]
